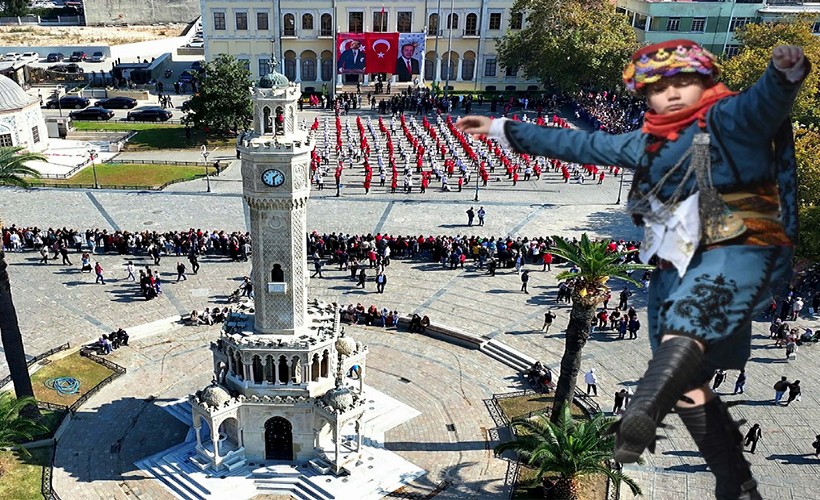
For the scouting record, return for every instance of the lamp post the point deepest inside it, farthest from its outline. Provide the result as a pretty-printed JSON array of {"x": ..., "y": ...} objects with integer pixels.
[
  {"x": 57, "y": 96},
  {"x": 92, "y": 155},
  {"x": 449, "y": 50},
  {"x": 205, "y": 153},
  {"x": 477, "y": 180},
  {"x": 620, "y": 186}
]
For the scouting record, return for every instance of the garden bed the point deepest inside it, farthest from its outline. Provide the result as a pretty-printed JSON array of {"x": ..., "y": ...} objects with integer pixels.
[
  {"x": 86, "y": 371},
  {"x": 152, "y": 136},
  {"x": 22, "y": 476},
  {"x": 130, "y": 175}
]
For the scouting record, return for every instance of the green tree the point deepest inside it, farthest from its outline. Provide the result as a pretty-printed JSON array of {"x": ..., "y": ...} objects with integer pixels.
[
  {"x": 16, "y": 8},
  {"x": 596, "y": 265},
  {"x": 807, "y": 151},
  {"x": 809, "y": 244},
  {"x": 15, "y": 427},
  {"x": 571, "y": 449},
  {"x": 756, "y": 44},
  {"x": 12, "y": 169},
  {"x": 569, "y": 44},
  {"x": 223, "y": 101}
]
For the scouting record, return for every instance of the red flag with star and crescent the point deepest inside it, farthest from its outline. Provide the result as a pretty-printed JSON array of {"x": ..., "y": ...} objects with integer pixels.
[{"x": 382, "y": 50}]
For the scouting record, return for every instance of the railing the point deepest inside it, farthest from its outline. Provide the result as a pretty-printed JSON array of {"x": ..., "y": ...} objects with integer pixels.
[
  {"x": 474, "y": 32},
  {"x": 5, "y": 380},
  {"x": 325, "y": 32},
  {"x": 47, "y": 480},
  {"x": 288, "y": 32},
  {"x": 155, "y": 162}
]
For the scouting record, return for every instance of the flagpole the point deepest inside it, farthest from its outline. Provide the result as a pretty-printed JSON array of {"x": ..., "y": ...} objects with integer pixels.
[
  {"x": 449, "y": 49},
  {"x": 435, "y": 50}
]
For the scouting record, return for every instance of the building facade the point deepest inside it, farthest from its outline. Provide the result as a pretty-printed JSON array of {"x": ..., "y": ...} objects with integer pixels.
[
  {"x": 460, "y": 37},
  {"x": 711, "y": 24}
]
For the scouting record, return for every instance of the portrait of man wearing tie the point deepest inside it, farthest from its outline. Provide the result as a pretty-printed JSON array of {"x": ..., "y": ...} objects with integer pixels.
[
  {"x": 352, "y": 58},
  {"x": 406, "y": 65}
]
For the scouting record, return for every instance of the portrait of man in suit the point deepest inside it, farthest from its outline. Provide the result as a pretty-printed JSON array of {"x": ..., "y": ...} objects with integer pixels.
[
  {"x": 406, "y": 65},
  {"x": 352, "y": 58}
]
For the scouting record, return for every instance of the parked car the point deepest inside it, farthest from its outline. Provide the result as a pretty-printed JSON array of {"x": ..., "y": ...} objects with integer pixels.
[
  {"x": 30, "y": 56},
  {"x": 92, "y": 113},
  {"x": 187, "y": 76},
  {"x": 55, "y": 57},
  {"x": 195, "y": 45},
  {"x": 117, "y": 103},
  {"x": 152, "y": 114},
  {"x": 97, "y": 57},
  {"x": 197, "y": 66},
  {"x": 68, "y": 102},
  {"x": 66, "y": 68},
  {"x": 12, "y": 56},
  {"x": 77, "y": 56}
]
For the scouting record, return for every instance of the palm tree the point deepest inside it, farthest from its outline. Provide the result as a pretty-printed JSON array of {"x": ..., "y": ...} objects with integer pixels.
[
  {"x": 14, "y": 426},
  {"x": 596, "y": 265},
  {"x": 12, "y": 168},
  {"x": 568, "y": 448}
]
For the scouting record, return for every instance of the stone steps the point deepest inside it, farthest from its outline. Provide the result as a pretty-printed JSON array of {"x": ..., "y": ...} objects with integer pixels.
[
  {"x": 181, "y": 410},
  {"x": 172, "y": 477},
  {"x": 505, "y": 354},
  {"x": 288, "y": 480}
]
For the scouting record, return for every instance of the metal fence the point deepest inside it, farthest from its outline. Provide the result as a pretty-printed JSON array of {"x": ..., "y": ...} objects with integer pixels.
[
  {"x": 47, "y": 480},
  {"x": 155, "y": 162},
  {"x": 5, "y": 380}
]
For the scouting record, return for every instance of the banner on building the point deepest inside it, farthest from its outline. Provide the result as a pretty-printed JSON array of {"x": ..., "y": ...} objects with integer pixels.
[
  {"x": 400, "y": 54},
  {"x": 351, "y": 56}
]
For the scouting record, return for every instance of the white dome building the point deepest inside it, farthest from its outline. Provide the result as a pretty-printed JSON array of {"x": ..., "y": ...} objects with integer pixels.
[{"x": 21, "y": 120}]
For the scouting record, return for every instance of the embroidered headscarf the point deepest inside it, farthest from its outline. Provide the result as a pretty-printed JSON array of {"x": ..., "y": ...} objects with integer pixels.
[{"x": 669, "y": 58}]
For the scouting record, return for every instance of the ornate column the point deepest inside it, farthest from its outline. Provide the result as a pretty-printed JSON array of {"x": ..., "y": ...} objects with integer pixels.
[
  {"x": 298, "y": 69},
  {"x": 287, "y": 372},
  {"x": 437, "y": 74},
  {"x": 198, "y": 437},
  {"x": 458, "y": 69}
]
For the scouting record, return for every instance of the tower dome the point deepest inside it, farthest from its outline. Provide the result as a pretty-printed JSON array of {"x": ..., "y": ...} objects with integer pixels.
[
  {"x": 274, "y": 80},
  {"x": 215, "y": 396},
  {"x": 12, "y": 96},
  {"x": 340, "y": 398}
]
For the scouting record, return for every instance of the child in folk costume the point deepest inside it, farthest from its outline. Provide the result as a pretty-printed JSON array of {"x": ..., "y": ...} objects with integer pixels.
[{"x": 715, "y": 190}]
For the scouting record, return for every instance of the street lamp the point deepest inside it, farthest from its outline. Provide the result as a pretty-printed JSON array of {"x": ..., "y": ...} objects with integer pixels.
[
  {"x": 477, "y": 179},
  {"x": 205, "y": 154},
  {"x": 620, "y": 186},
  {"x": 57, "y": 96},
  {"x": 92, "y": 154}
]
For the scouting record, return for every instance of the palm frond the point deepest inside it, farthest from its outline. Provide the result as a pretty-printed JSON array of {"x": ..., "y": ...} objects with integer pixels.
[{"x": 13, "y": 166}]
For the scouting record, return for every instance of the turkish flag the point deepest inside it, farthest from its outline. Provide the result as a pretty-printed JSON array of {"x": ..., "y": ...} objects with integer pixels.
[{"x": 382, "y": 50}]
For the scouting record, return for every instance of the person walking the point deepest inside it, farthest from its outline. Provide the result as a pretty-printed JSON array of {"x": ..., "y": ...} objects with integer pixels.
[
  {"x": 752, "y": 437},
  {"x": 470, "y": 216},
  {"x": 740, "y": 383},
  {"x": 633, "y": 326},
  {"x": 247, "y": 287},
  {"x": 317, "y": 268},
  {"x": 381, "y": 280},
  {"x": 620, "y": 397},
  {"x": 98, "y": 270},
  {"x": 129, "y": 268},
  {"x": 192, "y": 258},
  {"x": 525, "y": 279},
  {"x": 623, "y": 298},
  {"x": 592, "y": 382},
  {"x": 44, "y": 255},
  {"x": 64, "y": 254},
  {"x": 481, "y": 214},
  {"x": 362, "y": 278},
  {"x": 794, "y": 392},
  {"x": 181, "y": 272},
  {"x": 780, "y": 388},
  {"x": 549, "y": 316},
  {"x": 816, "y": 445},
  {"x": 720, "y": 376}
]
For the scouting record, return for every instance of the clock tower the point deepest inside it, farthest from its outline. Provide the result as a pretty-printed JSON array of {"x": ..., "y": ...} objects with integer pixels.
[{"x": 276, "y": 186}]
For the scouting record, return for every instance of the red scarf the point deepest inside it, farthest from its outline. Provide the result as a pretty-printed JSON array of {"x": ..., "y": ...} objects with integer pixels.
[{"x": 667, "y": 127}]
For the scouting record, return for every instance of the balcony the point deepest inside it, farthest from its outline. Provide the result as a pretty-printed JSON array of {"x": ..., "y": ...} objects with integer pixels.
[
  {"x": 288, "y": 33},
  {"x": 435, "y": 32},
  {"x": 471, "y": 33}
]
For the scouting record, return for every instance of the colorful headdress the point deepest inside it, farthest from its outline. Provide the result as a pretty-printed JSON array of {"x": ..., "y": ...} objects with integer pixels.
[{"x": 669, "y": 58}]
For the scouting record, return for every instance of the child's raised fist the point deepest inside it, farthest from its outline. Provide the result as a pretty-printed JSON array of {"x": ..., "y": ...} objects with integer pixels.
[{"x": 786, "y": 56}]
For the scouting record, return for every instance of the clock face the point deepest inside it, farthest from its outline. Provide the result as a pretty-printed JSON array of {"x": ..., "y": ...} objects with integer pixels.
[{"x": 273, "y": 177}]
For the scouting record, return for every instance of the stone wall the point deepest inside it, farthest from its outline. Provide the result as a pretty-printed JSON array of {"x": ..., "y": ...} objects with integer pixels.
[{"x": 99, "y": 12}]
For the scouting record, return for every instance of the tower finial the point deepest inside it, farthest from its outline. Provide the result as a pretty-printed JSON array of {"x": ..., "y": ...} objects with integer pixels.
[{"x": 273, "y": 62}]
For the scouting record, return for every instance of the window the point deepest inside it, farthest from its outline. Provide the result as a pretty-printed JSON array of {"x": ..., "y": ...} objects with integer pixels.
[
  {"x": 404, "y": 22},
  {"x": 739, "y": 22},
  {"x": 815, "y": 28},
  {"x": 511, "y": 72},
  {"x": 673, "y": 24},
  {"x": 246, "y": 63},
  {"x": 517, "y": 20},
  {"x": 355, "y": 22},
  {"x": 289, "y": 25},
  {"x": 448, "y": 69},
  {"x": 219, "y": 21},
  {"x": 490, "y": 67},
  {"x": 307, "y": 21},
  {"x": 35, "y": 133},
  {"x": 380, "y": 21},
  {"x": 5, "y": 140},
  {"x": 452, "y": 21},
  {"x": 429, "y": 69},
  {"x": 241, "y": 21},
  {"x": 620, "y": 10},
  {"x": 699, "y": 25},
  {"x": 731, "y": 50},
  {"x": 467, "y": 68},
  {"x": 490, "y": 88},
  {"x": 309, "y": 70},
  {"x": 327, "y": 69},
  {"x": 264, "y": 67},
  {"x": 262, "y": 22},
  {"x": 495, "y": 21},
  {"x": 471, "y": 25},
  {"x": 640, "y": 22},
  {"x": 326, "y": 25},
  {"x": 290, "y": 69},
  {"x": 432, "y": 25}
]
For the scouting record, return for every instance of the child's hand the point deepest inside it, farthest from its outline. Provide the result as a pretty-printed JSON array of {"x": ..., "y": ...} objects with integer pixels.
[
  {"x": 786, "y": 56},
  {"x": 475, "y": 125}
]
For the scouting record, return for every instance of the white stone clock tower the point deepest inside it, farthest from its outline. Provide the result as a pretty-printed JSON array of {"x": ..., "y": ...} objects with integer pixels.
[{"x": 276, "y": 185}]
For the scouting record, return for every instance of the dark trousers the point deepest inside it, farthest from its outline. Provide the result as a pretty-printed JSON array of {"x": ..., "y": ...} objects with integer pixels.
[{"x": 593, "y": 388}]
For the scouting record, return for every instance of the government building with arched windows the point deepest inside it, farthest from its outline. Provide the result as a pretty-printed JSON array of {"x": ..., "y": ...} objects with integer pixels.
[{"x": 459, "y": 47}]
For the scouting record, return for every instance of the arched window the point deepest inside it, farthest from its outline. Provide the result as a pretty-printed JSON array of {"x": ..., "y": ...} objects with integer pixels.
[
  {"x": 327, "y": 69},
  {"x": 429, "y": 69},
  {"x": 326, "y": 25},
  {"x": 471, "y": 25},
  {"x": 289, "y": 25},
  {"x": 467, "y": 69},
  {"x": 432, "y": 25},
  {"x": 307, "y": 21},
  {"x": 452, "y": 21},
  {"x": 308, "y": 70}
]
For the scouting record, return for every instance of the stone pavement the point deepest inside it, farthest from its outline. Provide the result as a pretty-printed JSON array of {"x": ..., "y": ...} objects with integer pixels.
[{"x": 57, "y": 303}]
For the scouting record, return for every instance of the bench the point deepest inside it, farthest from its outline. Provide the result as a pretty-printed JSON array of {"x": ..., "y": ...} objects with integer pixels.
[{"x": 447, "y": 334}]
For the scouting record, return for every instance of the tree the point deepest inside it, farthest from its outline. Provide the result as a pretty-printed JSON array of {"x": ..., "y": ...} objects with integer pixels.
[
  {"x": 16, "y": 8},
  {"x": 12, "y": 168},
  {"x": 809, "y": 245},
  {"x": 223, "y": 100},
  {"x": 756, "y": 44},
  {"x": 570, "y": 44},
  {"x": 15, "y": 427},
  {"x": 569, "y": 448},
  {"x": 596, "y": 265}
]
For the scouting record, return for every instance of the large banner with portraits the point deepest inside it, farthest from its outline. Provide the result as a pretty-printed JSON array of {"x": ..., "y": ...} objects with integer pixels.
[{"x": 400, "y": 54}]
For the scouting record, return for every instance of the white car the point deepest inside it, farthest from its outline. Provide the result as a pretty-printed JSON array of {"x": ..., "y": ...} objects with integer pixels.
[
  {"x": 196, "y": 45},
  {"x": 12, "y": 56},
  {"x": 97, "y": 57},
  {"x": 30, "y": 56}
]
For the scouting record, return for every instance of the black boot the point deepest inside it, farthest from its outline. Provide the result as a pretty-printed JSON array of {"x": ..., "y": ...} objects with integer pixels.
[
  {"x": 720, "y": 443},
  {"x": 676, "y": 364}
]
